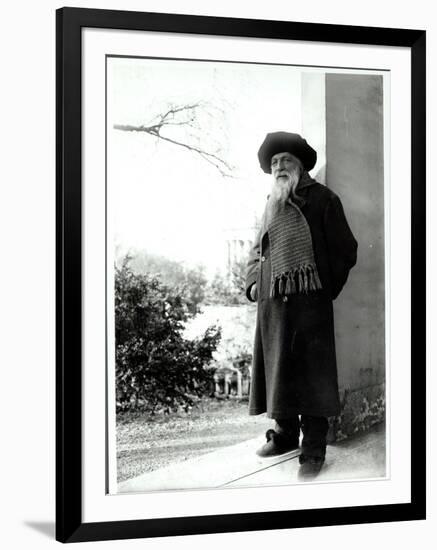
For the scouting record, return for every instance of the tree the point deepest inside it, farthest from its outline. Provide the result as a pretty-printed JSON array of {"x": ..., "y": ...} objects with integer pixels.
[
  {"x": 238, "y": 275},
  {"x": 167, "y": 126},
  {"x": 156, "y": 367},
  {"x": 189, "y": 283},
  {"x": 228, "y": 290}
]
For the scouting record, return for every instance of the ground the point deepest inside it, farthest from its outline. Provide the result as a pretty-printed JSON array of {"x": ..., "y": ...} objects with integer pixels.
[
  {"x": 145, "y": 444},
  {"x": 360, "y": 457}
]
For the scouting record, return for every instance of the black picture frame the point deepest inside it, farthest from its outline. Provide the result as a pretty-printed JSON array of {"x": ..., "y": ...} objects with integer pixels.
[{"x": 69, "y": 524}]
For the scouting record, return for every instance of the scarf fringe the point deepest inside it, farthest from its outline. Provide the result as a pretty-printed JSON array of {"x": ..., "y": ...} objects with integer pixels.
[{"x": 302, "y": 279}]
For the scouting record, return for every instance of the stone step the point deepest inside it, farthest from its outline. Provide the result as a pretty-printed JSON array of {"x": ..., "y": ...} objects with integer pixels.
[{"x": 359, "y": 457}]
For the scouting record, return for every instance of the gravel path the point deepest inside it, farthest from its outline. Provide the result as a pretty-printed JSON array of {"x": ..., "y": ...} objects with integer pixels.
[{"x": 145, "y": 444}]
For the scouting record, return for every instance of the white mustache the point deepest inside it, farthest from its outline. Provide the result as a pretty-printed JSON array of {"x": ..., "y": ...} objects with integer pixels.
[{"x": 284, "y": 172}]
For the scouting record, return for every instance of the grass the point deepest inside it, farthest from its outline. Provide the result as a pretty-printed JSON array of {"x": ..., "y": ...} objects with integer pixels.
[{"x": 147, "y": 443}]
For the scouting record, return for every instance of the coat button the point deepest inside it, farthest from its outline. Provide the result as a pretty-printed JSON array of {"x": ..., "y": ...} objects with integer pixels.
[
  {"x": 285, "y": 299},
  {"x": 263, "y": 258}
]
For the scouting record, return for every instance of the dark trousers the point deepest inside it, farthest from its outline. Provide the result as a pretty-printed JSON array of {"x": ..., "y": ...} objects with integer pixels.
[{"x": 314, "y": 431}]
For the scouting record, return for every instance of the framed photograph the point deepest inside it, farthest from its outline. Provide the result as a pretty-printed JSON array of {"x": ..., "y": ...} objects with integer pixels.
[{"x": 240, "y": 275}]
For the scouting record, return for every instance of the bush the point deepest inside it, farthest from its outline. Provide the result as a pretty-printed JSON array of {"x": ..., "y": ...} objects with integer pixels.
[{"x": 156, "y": 368}]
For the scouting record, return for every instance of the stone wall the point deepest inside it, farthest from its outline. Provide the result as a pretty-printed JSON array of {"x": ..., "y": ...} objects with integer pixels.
[{"x": 361, "y": 409}]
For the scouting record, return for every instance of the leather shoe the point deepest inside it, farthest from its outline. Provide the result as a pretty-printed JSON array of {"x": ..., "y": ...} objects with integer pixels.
[
  {"x": 310, "y": 467},
  {"x": 278, "y": 444}
]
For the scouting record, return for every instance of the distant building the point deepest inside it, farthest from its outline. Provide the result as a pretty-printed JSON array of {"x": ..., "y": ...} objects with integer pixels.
[{"x": 238, "y": 242}]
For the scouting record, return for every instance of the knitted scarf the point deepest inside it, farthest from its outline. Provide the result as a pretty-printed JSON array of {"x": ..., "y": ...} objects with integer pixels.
[{"x": 294, "y": 267}]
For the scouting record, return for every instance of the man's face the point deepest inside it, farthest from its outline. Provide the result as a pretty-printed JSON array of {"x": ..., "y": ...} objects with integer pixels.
[{"x": 285, "y": 166}]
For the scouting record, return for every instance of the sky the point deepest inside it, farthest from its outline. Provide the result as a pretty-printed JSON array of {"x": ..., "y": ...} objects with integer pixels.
[{"x": 169, "y": 201}]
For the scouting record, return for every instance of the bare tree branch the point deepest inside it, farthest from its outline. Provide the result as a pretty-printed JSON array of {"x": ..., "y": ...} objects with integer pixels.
[{"x": 168, "y": 119}]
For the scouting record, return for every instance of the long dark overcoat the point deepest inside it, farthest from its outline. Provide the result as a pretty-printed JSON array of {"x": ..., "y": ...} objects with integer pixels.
[{"x": 294, "y": 367}]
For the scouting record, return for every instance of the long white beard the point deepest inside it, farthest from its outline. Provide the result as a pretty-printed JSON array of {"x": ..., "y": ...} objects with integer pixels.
[{"x": 280, "y": 193}]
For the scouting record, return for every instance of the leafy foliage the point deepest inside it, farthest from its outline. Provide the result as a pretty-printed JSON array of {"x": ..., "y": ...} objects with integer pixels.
[
  {"x": 228, "y": 291},
  {"x": 156, "y": 367},
  {"x": 189, "y": 283}
]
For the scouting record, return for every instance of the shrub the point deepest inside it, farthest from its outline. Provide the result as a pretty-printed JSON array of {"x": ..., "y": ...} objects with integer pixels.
[{"x": 156, "y": 367}]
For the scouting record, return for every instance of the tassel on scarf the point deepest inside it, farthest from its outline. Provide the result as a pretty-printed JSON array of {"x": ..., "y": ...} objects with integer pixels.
[
  {"x": 293, "y": 284},
  {"x": 288, "y": 290},
  {"x": 305, "y": 281},
  {"x": 311, "y": 279},
  {"x": 302, "y": 279},
  {"x": 281, "y": 286}
]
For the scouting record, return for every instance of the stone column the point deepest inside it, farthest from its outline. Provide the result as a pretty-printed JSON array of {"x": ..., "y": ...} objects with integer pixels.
[{"x": 343, "y": 119}]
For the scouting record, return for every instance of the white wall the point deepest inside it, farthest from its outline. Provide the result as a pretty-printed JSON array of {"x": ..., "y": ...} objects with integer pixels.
[
  {"x": 314, "y": 119},
  {"x": 27, "y": 209}
]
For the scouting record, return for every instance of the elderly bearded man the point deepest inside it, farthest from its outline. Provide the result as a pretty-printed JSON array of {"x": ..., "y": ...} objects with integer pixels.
[{"x": 298, "y": 265}]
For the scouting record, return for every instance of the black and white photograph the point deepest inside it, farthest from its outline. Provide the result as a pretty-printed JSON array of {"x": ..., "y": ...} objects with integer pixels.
[
  {"x": 246, "y": 274},
  {"x": 218, "y": 279},
  {"x": 240, "y": 275}
]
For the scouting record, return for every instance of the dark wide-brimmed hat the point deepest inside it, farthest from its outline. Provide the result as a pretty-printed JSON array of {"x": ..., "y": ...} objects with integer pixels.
[{"x": 281, "y": 142}]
